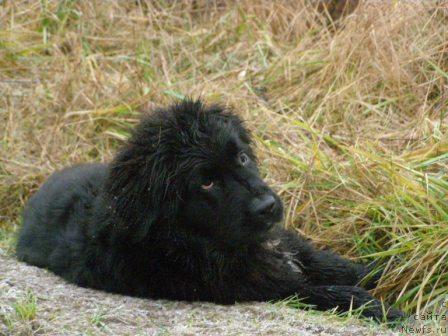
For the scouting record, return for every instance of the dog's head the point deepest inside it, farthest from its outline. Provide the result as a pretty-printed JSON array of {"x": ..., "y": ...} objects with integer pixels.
[{"x": 191, "y": 168}]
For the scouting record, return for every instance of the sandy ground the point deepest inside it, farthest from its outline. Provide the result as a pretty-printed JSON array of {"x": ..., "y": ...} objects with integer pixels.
[{"x": 64, "y": 309}]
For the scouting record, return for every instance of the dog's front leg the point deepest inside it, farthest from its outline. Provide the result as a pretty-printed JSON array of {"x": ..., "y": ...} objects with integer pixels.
[
  {"x": 324, "y": 267},
  {"x": 344, "y": 298}
]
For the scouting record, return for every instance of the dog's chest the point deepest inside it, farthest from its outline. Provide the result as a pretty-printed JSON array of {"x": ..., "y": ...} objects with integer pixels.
[{"x": 288, "y": 258}]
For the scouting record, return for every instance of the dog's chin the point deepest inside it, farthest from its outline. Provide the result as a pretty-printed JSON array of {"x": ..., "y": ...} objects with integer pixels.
[
  {"x": 265, "y": 229},
  {"x": 268, "y": 226},
  {"x": 277, "y": 219}
]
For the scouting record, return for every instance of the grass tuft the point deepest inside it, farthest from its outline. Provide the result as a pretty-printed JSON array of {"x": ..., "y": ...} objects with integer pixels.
[{"x": 26, "y": 308}]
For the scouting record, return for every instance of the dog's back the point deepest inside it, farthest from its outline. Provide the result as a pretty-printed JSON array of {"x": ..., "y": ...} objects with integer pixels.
[{"x": 53, "y": 220}]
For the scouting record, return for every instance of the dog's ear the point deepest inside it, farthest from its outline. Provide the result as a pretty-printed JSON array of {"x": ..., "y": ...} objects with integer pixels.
[{"x": 139, "y": 189}]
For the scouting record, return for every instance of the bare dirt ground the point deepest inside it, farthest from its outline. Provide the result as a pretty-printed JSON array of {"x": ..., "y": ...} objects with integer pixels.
[{"x": 65, "y": 309}]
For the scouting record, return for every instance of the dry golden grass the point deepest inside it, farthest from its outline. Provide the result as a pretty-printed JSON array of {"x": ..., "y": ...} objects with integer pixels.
[{"x": 349, "y": 116}]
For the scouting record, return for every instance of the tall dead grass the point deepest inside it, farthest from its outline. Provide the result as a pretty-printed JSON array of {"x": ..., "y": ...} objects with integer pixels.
[{"x": 349, "y": 116}]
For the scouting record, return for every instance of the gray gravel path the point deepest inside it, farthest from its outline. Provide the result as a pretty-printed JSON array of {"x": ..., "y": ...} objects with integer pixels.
[{"x": 64, "y": 309}]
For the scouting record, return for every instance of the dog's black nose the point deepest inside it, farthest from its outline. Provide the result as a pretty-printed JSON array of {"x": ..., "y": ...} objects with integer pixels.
[{"x": 263, "y": 206}]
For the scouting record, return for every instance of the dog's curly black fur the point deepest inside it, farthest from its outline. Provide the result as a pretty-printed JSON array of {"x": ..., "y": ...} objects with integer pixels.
[{"x": 181, "y": 213}]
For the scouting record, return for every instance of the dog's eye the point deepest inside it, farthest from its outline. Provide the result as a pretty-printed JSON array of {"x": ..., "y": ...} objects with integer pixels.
[
  {"x": 207, "y": 186},
  {"x": 243, "y": 159}
]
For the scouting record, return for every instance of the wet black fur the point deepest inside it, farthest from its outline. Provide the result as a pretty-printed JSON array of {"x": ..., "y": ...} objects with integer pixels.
[{"x": 143, "y": 225}]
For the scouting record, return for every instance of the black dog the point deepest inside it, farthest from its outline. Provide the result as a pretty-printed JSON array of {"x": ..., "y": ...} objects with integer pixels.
[{"x": 181, "y": 213}]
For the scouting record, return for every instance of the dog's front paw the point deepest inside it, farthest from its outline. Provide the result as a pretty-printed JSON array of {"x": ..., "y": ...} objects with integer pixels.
[
  {"x": 380, "y": 314},
  {"x": 395, "y": 315}
]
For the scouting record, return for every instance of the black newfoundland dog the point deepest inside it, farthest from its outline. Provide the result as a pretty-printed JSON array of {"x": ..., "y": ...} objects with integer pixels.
[{"x": 181, "y": 213}]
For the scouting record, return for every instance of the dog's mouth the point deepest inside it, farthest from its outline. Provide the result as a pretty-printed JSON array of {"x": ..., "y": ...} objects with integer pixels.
[
  {"x": 264, "y": 233},
  {"x": 267, "y": 224},
  {"x": 270, "y": 224},
  {"x": 276, "y": 215}
]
